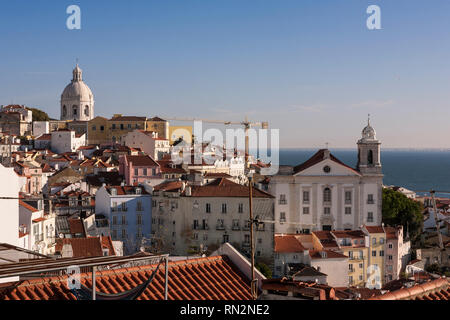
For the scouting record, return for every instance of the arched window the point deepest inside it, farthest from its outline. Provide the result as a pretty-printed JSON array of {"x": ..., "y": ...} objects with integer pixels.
[
  {"x": 64, "y": 111},
  {"x": 75, "y": 110},
  {"x": 327, "y": 195},
  {"x": 370, "y": 157},
  {"x": 86, "y": 110}
]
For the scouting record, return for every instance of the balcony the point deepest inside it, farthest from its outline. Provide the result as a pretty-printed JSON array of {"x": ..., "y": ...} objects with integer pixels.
[
  {"x": 282, "y": 201},
  {"x": 220, "y": 227},
  {"x": 370, "y": 201},
  {"x": 236, "y": 228}
]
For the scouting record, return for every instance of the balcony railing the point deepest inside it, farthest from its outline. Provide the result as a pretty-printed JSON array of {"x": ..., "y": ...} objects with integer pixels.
[
  {"x": 220, "y": 227},
  {"x": 236, "y": 228},
  {"x": 282, "y": 201},
  {"x": 370, "y": 201}
]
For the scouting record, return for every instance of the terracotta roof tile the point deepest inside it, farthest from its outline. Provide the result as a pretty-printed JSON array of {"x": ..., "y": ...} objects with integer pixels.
[
  {"x": 287, "y": 243},
  {"x": 27, "y": 206},
  {"x": 211, "y": 278},
  {"x": 433, "y": 290},
  {"x": 225, "y": 188},
  {"x": 142, "y": 161}
]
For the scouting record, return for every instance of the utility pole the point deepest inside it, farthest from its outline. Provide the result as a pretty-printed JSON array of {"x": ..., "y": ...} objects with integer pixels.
[{"x": 252, "y": 243}]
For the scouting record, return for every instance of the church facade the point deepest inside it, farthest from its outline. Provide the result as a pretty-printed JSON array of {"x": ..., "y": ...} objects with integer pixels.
[
  {"x": 324, "y": 193},
  {"x": 77, "y": 100}
]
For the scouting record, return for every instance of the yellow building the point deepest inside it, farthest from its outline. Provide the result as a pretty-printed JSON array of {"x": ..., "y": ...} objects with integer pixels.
[
  {"x": 352, "y": 244},
  {"x": 98, "y": 131},
  {"x": 160, "y": 126},
  {"x": 184, "y": 132},
  {"x": 377, "y": 245}
]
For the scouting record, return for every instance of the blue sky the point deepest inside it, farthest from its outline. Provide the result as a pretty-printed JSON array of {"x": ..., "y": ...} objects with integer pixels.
[{"x": 311, "y": 68}]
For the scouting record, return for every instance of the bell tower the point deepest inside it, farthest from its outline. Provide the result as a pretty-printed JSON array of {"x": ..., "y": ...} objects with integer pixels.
[{"x": 369, "y": 151}]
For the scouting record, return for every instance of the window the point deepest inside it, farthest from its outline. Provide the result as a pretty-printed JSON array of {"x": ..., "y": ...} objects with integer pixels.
[
  {"x": 124, "y": 206},
  {"x": 348, "y": 197},
  {"x": 381, "y": 253},
  {"x": 369, "y": 216},
  {"x": 139, "y": 206},
  {"x": 145, "y": 171},
  {"x": 114, "y": 234},
  {"x": 327, "y": 195},
  {"x": 374, "y": 241},
  {"x": 305, "y": 196},
  {"x": 114, "y": 205},
  {"x": 226, "y": 238},
  {"x": 139, "y": 219},
  {"x": 102, "y": 128},
  {"x": 350, "y": 267},
  {"x": 370, "y": 157},
  {"x": 348, "y": 210},
  {"x": 350, "y": 280},
  {"x": 129, "y": 126},
  {"x": 381, "y": 240},
  {"x": 374, "y": 253},
  {"x": 136, "y": 171},
  {"x": 121, "y": 126},
  {"x": 370, "y": 199},
  {"x": 390, "y": 257},
  {"x": 235, "y": 224},
  {"x": 124, "y": 221},
  {"x": 86, "y": 110},
  {"x": 195, "y": 225},
  {"x": 208, "y": 208},
  {"x": 124, "y": 233},
  {"x": 113, "y": 126},
  {"x": 240, "y": 208},
  {"x": 360, "y": 265},
  {"x": 305, "y": 210},
  {"x": 94, "y": 128},
  {"x": 247, "y": 238},
  {"x": 282, "y": 199},
  {"x": 75, "y": 110},
  {"x": 326, "y": 210},
  {"x": 114, "y": 220},
  {"x": 224, "y": 208},
  {"x": 390, "y": 246},
  {"x": 282, "y": 216}
]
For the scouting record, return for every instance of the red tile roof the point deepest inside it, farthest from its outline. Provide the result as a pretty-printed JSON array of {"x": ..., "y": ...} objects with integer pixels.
[
  {"x": 128, "y": 118},
  {"x": 432, "y": 290},
  {"x": 169, "y": 186},
  {"x": 142, "y": 161},
  {"x": 27, "y": 206},
  {"x": 306, "y": 290},
  {"x": 211, "y": 278},
  {"x": 85, "y": 247},
  {"x": 354, "y": 234},
  {"x": 287, "y": 243},
  {"x": 329, "y": 254},
  {"x": 318, "y": 157},
  {"x": 225, "y": 188},
  {"x": 124, "y": 190},
  {"x": 165, "y": 166},
  {"x": 76, "y": 226},
  {"x": 374, "y": 229},
  {"x": 46, "y": 136}
]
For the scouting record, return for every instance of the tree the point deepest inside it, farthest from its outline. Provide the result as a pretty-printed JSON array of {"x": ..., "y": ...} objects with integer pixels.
[
  {"x": 401, "y": 210},
  {"x": 39, "y": 115},
  {"x": 264, "y": 269}
]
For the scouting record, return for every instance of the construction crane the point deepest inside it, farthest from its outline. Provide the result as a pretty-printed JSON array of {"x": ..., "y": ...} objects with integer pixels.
[{"x": 247, "y": 125}]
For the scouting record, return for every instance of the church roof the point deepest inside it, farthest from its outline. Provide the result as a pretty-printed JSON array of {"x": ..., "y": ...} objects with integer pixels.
[{"x": 318, "y": 157}]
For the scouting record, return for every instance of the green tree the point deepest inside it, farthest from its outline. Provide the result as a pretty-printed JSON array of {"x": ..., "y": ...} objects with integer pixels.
[
  {"x": 264, "y": 269},
  {"x": 401, "y": 210},
  {"x": 39, "y": 115}
]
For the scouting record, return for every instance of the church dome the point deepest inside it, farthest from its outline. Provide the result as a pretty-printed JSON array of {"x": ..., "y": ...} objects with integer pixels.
[
  {"x": 368, "y": 132},
  {"x": 77, "y": 88}
]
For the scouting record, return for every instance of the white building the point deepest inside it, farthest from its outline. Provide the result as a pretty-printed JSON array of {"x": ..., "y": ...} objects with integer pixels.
[
  {"x": 9, "y": 226},
  {"x": 77, "y": 100},
  {"x": 129, "y": 211},
  {"x": 64, "y": 140},
  {"x": 148, "y": 142},
  {"x": 40, "y": 128},
  {"x": 323, "y": 193}
]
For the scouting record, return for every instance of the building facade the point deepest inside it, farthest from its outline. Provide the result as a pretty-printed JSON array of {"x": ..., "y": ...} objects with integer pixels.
[{"x": 323, "y": 193}]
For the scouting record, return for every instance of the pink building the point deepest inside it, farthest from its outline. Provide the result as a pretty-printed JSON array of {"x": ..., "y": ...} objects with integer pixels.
[
  {"x": 138, "y": 169},
  {"x": 397, "y": 252}
]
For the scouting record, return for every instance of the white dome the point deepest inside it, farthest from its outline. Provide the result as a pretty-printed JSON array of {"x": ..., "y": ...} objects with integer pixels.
[
  {"x": 78, "y": 90},
  {"x": 77, "y": 100}
]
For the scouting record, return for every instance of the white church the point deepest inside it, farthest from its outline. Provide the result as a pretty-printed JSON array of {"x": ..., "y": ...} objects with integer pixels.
[{"x": 324, "y": 193}]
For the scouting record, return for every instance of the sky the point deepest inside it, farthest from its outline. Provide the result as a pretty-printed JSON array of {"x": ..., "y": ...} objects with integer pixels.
[{"x": 311, "y": 68}]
